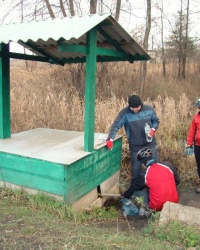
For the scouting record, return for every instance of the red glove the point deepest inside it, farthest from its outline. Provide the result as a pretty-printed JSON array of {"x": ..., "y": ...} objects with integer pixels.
[
  {"x": 109, "y": 144},
  {"x": 151, "y": 132}
]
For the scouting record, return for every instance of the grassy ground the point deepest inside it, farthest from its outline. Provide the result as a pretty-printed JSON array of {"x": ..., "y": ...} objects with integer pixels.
[
  {"x": 24, "y": 225},
  {"x": 28, "y": 223}
]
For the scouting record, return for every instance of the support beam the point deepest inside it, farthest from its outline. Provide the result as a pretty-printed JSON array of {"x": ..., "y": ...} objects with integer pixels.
[
  {"x": 22, "y": 56},
  {"x": 83, "y": 50},
  {"x": 115, "y": 44},
  {"x": 5, "y": 131},
  {"x": 90, "y": 91},
  {"x": 42, "y": 52}
]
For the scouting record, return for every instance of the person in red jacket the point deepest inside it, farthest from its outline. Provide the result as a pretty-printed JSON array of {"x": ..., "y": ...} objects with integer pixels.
[
  {"x": 193, "y": 137},
  {"x": 156, "y": 182}
]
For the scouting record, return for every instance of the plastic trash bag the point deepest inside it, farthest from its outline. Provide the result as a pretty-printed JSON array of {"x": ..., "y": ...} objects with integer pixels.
[
  {"x": 129, "y": 208},
  {"x": 189, "y": 151}
]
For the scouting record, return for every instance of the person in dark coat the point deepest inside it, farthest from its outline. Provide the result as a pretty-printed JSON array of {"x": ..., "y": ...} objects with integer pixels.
[{"x": 134, "y": 118}]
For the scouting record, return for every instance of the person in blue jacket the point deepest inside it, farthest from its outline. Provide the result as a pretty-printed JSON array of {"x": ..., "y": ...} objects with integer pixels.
[{"x": 134, "y": 117}]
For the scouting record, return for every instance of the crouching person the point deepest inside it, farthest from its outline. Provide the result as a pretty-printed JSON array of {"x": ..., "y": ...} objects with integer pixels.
[{"x": 156, "y": 182}]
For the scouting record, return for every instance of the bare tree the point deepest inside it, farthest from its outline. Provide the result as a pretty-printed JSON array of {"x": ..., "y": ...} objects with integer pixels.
[
  {"x": 22, "y": 19},
  {"x": 117, "y": 12},
  {"x": 185, "y": 41},
  {"x": 162, "y": 42},
  {"x": 145, "y": 45},
  {"x": 71, "y": 7},
  {"x": 63, "y": 8},
  {"x": 49, "y": 9},
  {"x": 93, "y": 6},
  {"x": 180, "y": 40}
]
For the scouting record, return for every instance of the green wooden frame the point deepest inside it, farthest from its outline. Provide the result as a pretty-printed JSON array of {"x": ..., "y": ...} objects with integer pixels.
[
  {"x": 90, "y": 91},
  {"x": 5, "y": 131},
  {"x": 71, "y": 182}
]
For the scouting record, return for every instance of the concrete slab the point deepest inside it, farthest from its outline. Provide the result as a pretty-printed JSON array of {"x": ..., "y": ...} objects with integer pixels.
[
  {"x": 109, "y": 186},
  {"x": 174, "y": 211},
  {"x": 84, "y": 202},
  {"x": 30, "y": 191},
  {"x": 53, "y": 145}
]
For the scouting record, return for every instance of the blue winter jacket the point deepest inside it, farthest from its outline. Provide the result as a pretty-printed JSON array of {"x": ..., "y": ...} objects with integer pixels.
[{"x": 134, "y": 124}]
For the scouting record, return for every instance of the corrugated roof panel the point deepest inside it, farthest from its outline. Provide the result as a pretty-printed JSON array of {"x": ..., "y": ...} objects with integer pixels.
[
  {"x": 43, "y": 36},
  {"x": 68, "y": 28}
]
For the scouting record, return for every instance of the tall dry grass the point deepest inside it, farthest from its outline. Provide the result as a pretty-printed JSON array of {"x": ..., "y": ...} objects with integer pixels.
[{"x": 53, "y": 97}]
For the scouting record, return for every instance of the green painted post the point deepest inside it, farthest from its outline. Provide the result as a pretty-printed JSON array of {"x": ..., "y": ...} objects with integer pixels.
[
  {"x": 90, "y": 91},
  {"x": 5, "y": 131}
]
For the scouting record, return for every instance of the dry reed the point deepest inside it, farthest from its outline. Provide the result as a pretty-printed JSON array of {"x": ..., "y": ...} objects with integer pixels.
[{"x": 52, "y": 97}]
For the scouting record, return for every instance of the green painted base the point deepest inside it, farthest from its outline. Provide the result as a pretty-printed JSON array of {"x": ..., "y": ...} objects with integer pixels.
[{"x": 70, "y": 181}]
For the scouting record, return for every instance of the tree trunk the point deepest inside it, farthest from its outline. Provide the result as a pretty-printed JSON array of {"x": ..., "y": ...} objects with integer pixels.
[
  {"x": 63, "y": 8},
  {"x": 93, "y": 6},
  {"x": 22, "y": 20},
  {"x": 117, "y": 12},
  {"x": 145, "y": 45},
  {"x": 180, "y": 42},
  {"x": 51, "y": 13},
  {"x": 185, "y": 42},
  {"x": 71, "y": 7},
  {"x": 162, "y": 39}
]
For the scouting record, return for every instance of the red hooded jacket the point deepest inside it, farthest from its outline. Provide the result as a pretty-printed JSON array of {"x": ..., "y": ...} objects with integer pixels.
[{"x": 194, "y": 131}]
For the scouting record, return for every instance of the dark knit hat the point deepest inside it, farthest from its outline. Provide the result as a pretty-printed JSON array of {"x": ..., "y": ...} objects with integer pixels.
[{"x": 134, "y": 101}]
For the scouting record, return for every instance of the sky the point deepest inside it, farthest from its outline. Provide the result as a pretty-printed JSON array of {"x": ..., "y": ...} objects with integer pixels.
[{"x": 132, "y": 15}]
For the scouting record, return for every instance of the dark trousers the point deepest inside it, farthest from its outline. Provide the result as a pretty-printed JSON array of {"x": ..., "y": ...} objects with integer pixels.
[
  {"x": 144, "y": 193},
  {"x": 197, "y": 157},
  {"x": 136, "y": 165}
]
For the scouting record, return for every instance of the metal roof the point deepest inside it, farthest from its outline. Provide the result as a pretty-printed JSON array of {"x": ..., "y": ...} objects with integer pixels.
[{"x": 44, "y": 37}]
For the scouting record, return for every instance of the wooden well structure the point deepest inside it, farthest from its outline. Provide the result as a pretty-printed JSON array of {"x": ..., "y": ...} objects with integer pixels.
[{"x": 72, "y": 166}]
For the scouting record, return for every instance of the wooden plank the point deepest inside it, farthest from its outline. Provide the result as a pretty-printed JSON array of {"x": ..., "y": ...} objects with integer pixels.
[
  {"x": 102, "y": 154},
  {"x": 91, "y": 171},
  {"x": 83, "y": 49},
  {"x": 24, "y": 56},
  {"x": 110, "y": 52},
  {"x": 32, "y": 166},
  {"x": 100, "y": 170},
  {"x": 33, "y": 181},
  {"x": 58, "y": 146},
  {"x": 72, "y": 48},
  {"x": 90, "y": 91},
  {"x": 5, "y": 131}
]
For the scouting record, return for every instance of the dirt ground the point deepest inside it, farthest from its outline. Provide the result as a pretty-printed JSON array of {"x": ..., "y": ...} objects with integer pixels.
[
  {"x": 187, "y": 197},
  {"x": 190, "y": 198}
]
